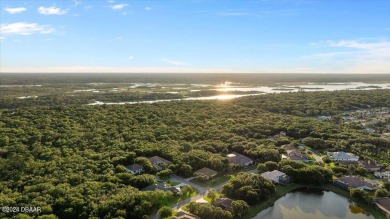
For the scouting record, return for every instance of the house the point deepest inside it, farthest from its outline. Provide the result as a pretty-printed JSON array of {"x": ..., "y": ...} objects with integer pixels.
[
  {"x": 382, "y": 175},
  {"x": 224, "y": 203},
  {"x": 205, "y": 172},
  {"x": 342, "y": 156},
  {"x": 282, "y": 134},
  {"x": 348, "y": 182},
  {"x": 383, "y": 204},
  {"x": 297, "y": 156},
  {"x": 349, "y": 162},
  {"x": 369, "y": 130},
  {"x": 159, "y": 162},
  {"x": 134, "y": 169},
  {"x": 371, "y": 166},
  {"x": 185, "y": 215},
  {"x": 276, "y": 177},
  {"x": 162, "y": 186},
  {"x": 239, "y": 159}
]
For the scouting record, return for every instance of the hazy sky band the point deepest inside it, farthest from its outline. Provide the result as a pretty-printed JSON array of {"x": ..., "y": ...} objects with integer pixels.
[{"x": 195, "y": 36}]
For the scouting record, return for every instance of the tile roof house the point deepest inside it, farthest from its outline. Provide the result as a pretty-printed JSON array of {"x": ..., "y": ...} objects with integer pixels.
[
  {"x": 348, "y": 182},
  {"x": 185, "y": 215},
  {"x": 206, "y": 172},
  {"x": 342, "y": 156},
  {"x": 383, "y": 204},
  {"x": 276, "y": 177},
  {"x": 224, "y": 203},
  {"x": 134, "y": 169},
  {"x": 371, "y": 166},
  {"x": 159, "y": 162},
  {"x": 239, "y": 159}
]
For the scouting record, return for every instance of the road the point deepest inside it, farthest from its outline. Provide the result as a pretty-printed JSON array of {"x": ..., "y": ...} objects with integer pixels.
[{"x": 315, "y": 155}]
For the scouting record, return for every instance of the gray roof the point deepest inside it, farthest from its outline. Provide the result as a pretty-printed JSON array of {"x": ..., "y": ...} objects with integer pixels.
[
  {"x": 239, "y": 159},
  {"x": 355, "y": 182},
  {"x": 341, "y": 155},
  {"x": 273, "y": 175}
]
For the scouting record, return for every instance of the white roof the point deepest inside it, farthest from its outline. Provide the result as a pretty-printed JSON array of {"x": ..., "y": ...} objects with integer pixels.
[{"x": 342, "y": 155}]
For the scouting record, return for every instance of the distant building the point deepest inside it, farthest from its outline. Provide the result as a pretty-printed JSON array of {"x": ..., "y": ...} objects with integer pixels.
[
  {"x": 369, "y": 130},
  {"x": 159, "y": 162},
  {"x": 205, "y": 172},
  {"x": 371, "y": 166},
  {"x": 282, "y": 134},
  {"x": 383, "y": 204},
  {"x": 297, "y": 156},
  {"x": 224, "y": 203},
  {"x": 355, "y": 182},
  {"x": 239, "y": 159},
  {"x": 323, "y": 118},
  {"x": 382, "y": 175},
  {"x": 342, "y": 156},
  {"x": 276, "y": 177},
  {"x": 163, "y": 186},
  {"x": 185, "y": 215},
  {"x": 135, "y": 169}
]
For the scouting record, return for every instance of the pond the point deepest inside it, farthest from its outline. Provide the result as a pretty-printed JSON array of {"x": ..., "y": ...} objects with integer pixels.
[{"x": 319, "y": 205}]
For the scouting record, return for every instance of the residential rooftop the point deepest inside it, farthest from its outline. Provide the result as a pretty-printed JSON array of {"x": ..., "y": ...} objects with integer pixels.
[{"x": 206, "y": 172}]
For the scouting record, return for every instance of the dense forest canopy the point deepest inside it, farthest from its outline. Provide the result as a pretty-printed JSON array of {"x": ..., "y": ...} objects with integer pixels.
[{"x": 70, "y": 158}]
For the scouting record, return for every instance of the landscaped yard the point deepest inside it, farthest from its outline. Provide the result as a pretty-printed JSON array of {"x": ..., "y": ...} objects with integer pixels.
[
  {"x": 174, "y": 183},
  {"x": 176, "y": 199},
  {"x": 212, "y": 182}
]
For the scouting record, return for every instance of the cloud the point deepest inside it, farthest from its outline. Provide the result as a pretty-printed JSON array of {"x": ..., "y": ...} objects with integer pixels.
[
  {"x": 174, "y": 62},
  {"x": 15, "y": 10},
  {"x": 365, "y": 50},
  {"x": 252, "y": 12},
  {"x": 51, "y": 11},
  {"x": 131, "y": 58},
  {"x": 119, "y": 6},
  {"x": 75, "y": 3},
  {"x": 148, "y": 8},
  {"x": 23, "y": 28}
]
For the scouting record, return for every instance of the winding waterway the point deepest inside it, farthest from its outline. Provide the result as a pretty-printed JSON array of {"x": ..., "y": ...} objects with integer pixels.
[
  {"x": 313, "y": 205},
  {"x": 266, "y": 90}
]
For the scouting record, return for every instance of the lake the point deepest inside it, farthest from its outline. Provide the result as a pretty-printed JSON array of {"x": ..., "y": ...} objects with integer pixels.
[{"x": 309, "y": 205}]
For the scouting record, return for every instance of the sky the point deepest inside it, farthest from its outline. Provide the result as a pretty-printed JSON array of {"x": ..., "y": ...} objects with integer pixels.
[{"x": 197, "y": 36}]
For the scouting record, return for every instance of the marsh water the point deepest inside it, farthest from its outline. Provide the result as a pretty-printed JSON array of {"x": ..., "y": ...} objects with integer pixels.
[
  {"x": 309, "y": 205},
  {"x": 260, "y": 89}
]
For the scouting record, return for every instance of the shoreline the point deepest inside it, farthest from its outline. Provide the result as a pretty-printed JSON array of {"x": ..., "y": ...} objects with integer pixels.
[{"x": 283, "y": 190}]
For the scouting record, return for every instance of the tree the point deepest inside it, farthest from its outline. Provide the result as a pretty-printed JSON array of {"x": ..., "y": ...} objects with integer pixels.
[
  {"x": 185, "y": 170},
  {"x": 165, "y": 211},
  {"x": 381, "y": 193},
  {"x": 271, "y": 165},
  {"x": 212, "y": 194},
  {"x": 165, "y": 174},
  {"x": 239, "y": 207},
  {"x": 386, "y": 185},
  {"x": 145, "y": 163},
  {"x": 251, "y": 188},
  {"x": 360, "y": 194},
  {"x": 261, "y": 168}
]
